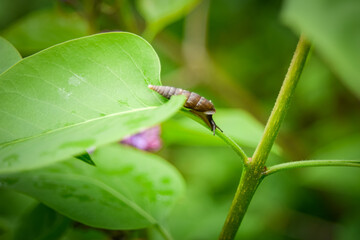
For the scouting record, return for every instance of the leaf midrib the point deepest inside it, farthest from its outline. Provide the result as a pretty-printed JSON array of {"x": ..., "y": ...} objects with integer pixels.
[{"x": 76, "y": 124}]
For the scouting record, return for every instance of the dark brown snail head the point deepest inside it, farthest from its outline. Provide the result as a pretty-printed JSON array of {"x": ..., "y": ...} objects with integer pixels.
[
  {"x": 208, "y": 119},
  {"x": 213, "y": 124}
]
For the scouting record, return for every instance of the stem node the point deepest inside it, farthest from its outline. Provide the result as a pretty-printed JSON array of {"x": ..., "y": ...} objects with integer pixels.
[{"x": 253, "y": 171}]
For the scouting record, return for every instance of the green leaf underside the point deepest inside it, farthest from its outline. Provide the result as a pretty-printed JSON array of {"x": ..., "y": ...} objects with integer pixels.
[
  {"x": 76, "y": 95},
  {"x": 41, "y": 223},
  {"x": 128, "y": 189},
  {"x": 42, "y": 29},
  {"x": 9, "y": 55},
  {"x": 333, "y": 28}
]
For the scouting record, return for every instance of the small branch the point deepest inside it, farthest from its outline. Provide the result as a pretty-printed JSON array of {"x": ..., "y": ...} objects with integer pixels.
[
  {"x": 233, "y": 145},
  {"x": 311, "y": 163},
  {"x": 222, "y": 135}
]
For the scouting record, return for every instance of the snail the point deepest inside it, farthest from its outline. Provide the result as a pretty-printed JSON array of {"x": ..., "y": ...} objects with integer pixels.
[{"x": 197, "y": 104}]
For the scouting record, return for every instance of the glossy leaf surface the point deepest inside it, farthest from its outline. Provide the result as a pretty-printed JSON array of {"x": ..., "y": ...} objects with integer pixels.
[{"x": 80, "y": 94}]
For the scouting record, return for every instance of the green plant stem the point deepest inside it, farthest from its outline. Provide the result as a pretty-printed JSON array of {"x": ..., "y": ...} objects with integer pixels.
[
  {"x": 222, "y": 135},
  {"x": 253, "y": 169},
  {"x": 164, "y": 233},
  {"x": 311, "y": 163},
  {"x": 282, "y": 103},
  {"x": 233, "y": 145}
]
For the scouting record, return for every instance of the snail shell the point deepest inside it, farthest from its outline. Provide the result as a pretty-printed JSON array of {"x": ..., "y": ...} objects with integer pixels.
[
  {"x": 199, "y": 105},
  {"x": 193, "y": 100}
]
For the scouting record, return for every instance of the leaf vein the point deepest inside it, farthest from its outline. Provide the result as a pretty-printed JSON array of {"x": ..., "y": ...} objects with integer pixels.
[{"x": 77, "y": 124}]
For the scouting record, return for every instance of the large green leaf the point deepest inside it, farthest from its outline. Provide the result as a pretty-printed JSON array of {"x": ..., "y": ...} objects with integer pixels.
[
  {"x": 83, "y": 93},
  {"x": 159, "y": 13},
  {"x": 45, "y": 28},
  {"x": 334, "y": 28},
  {"x": 9, "y": 55},
  {"x": 128, "y": 189}
]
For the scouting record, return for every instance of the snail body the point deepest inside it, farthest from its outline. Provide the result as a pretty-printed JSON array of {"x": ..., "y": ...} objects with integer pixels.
[{"x": 199, "y": 105}]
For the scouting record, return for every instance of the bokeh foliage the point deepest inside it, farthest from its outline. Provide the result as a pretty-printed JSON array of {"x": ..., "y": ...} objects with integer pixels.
[{"x": 235, "y": 53}]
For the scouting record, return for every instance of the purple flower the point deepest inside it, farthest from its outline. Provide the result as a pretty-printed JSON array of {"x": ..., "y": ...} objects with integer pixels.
[{"x": 148, "y": 140}]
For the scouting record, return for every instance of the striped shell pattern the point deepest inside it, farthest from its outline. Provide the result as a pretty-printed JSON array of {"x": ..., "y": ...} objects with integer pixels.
[{"x": 193, "y": 100}]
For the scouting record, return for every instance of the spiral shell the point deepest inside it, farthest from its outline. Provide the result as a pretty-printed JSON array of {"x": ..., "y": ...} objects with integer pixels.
[
  {"x": 199, "y": 105},
  {"x": 193, "y": 100}
]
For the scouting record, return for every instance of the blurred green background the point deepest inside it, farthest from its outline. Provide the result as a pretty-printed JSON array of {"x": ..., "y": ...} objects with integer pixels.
[{"x": 236, "y": 53}]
